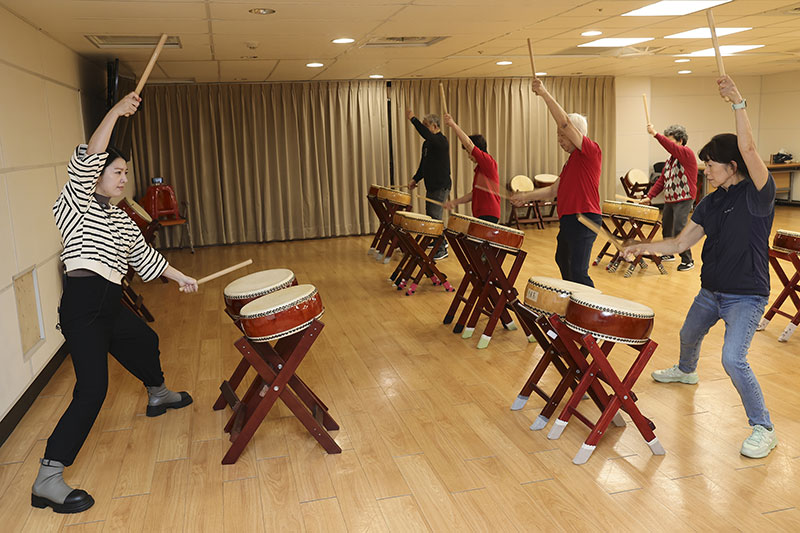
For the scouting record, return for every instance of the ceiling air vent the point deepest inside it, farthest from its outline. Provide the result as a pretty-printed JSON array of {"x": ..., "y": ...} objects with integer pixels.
[
  {"x": 132, "y": 41},
  {"x": 403, "y": 41}
]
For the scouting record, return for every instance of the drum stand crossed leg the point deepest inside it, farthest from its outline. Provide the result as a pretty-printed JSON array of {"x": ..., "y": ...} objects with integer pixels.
[
  {"x": 630, "y": 221},
  {"x": 615, "y": 321},
  {"x": 491, "y": 289},
  {"x": 288, "y": 314},
  {"x": 386, "y": 201},
  {"x": 785, "y": 247}
]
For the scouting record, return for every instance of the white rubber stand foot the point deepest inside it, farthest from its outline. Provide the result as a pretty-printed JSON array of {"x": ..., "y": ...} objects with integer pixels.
[
  {"x": 583, "y": 454},
  {"x": 484, "y": 342},
  {"x": 656, "y": 447},
  {"x": 531, "y": 338},
  {"x": 557, "y": 429},
  {"x": 378, "y": 257},
  {"x": 386, "y": 260},
  {"x": 511, "y": 326},
  {"x": 467, "y": 333},
  {"x": 371, "y": 251},
  {"x": 762, "y": 325},
  {"x": 519, "y": 403},
  {"x": 618, "y": 420},
  {"x": 787, "y": 333},
  {"x": 539, "y": 423}
]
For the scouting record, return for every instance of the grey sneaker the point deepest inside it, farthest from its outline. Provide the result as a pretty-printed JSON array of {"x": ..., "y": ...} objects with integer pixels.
[
  {"x": 759, "y": 443},
  {"x": 441, "y": 254},
  {"x": 675, "y": 375}
]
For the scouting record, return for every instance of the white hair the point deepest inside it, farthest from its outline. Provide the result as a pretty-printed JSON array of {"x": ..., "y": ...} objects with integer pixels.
[{"x": 579, "y": 121}]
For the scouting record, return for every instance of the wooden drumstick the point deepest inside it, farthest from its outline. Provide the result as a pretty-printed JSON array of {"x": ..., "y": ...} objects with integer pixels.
[
  {"x": 646, "y": 111},
  {"x": 496, "y": 193},
  {"x": 151, "y": 64},
  {"x": 436, "y": 202},
  {"x": 224, "y": 271},
  {"x": 600, "y": 230},
  {"x": 713, "y": 28},
  {"x": 530, "y": 54},
  {"x": 444, "y": 99}
]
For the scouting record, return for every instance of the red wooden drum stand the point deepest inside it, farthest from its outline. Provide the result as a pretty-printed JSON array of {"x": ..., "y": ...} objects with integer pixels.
[
  {"x": 386, "y": 202},
  {"x": 275, "y": 365},
  {"x": 591, "y": 319},
  {"x": 491, "y": 289},
  {"x": 419, "y": 239},
  {"x": 785, "y": 247},
  {"x": 625, "y": 227}
]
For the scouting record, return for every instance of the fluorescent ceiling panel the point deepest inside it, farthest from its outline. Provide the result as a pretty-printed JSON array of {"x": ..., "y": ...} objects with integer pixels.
[
  {"x": 705, "y": 33},
  {"x": 612, "y": 42},
  {"x": 726, "y": 50},
  {"x": 673, "y": 8}
]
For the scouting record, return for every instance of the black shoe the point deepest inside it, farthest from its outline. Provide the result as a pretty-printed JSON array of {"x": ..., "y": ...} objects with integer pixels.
[
  {"x": 686, "y": 266},
  {"x": 667, "y": 258},
  {"x": 441, "y": 254},
  {"x": 158, "y": 410},
  {"x": 77, "y": 501}
]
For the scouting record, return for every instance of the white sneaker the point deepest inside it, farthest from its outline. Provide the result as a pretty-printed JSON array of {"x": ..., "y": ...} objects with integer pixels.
[
  {"x": 675, "y": 375},
  {"x": 759, "y": 443}
]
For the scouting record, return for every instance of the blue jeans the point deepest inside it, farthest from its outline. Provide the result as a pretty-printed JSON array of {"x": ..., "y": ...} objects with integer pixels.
[{"x": 741, "y": 314}]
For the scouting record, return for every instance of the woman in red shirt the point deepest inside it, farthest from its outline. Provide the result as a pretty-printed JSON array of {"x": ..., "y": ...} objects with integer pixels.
[
  {"x": 577, "y": 189},
  {"x": 485, "y": 205}
]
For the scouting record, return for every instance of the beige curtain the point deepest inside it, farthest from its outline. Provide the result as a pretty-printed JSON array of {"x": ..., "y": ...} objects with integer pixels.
[
  {"x": 520, "y": 132},
  {"x": 264, "y": 162}
]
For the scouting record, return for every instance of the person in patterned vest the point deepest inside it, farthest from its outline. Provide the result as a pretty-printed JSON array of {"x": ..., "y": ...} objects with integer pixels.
[{"x": 678, "y": 180}]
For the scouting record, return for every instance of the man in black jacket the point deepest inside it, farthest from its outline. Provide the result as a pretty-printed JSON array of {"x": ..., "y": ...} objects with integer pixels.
[{"x": 434, "y": 167}]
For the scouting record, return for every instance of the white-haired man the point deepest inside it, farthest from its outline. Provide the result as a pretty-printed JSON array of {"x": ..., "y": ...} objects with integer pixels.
[{"x": 577, "y": 189}]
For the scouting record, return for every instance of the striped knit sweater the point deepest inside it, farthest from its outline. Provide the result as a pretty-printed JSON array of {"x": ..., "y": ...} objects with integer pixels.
[{"x": 101, "y": 239}]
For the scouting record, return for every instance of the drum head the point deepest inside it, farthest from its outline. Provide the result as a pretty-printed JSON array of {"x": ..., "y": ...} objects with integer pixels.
[
  {"x": 521, "y": 184},
  {"x": 635, "y": 175},
  {"x": 545, "y": 179},
  {"x": 415, "y": 216},
  {"x": 788, "y": 233},
  {"x": 277, "y": 301},
  {"x": 140, "y": 210},
  {"x": 256, "y": 283},
  {"x": 560, "y": 285}
]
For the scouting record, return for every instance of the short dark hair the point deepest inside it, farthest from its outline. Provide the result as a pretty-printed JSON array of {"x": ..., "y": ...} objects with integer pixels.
[
  {"x": 677, "y": 132},
  {"x": 479, "y": 141},
  {"x": 724, "y": 148},
  {"x": 113, "y": 155}
]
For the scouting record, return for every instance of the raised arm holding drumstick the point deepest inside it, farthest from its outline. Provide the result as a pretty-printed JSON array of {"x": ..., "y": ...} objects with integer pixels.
[
  {"x": 100, "y": 243},
  {"x": 485, "y": 205},
  {"x": 577, "y": 189},
  {"x": 736, "y": 220}
]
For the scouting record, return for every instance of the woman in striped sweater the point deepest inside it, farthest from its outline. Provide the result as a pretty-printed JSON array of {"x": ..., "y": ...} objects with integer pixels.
[{"x": 100, "y": 242}]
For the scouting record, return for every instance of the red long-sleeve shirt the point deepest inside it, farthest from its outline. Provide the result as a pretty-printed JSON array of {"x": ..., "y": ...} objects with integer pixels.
[{"x": 678, "y": 178}]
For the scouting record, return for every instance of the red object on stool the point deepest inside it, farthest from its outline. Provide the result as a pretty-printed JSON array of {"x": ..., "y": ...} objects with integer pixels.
[
  {"x": 162, "y": 204},
  {"x": 785, "y": 246}
]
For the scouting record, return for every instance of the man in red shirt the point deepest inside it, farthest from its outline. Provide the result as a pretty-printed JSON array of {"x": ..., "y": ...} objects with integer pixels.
[
  {"x": 485, "y": 205},
  {"x": 577, "y": 189},
  {"x": 678, "y": 180}
]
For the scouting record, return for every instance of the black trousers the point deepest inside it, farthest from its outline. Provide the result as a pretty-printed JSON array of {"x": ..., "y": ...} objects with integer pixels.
[
  {"x": 575, "y": 248},
  {"x": 94, "y": 323}
]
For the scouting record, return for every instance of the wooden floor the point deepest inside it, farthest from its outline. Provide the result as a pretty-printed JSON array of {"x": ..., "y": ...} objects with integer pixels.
[{"x": 428, "y": 439}]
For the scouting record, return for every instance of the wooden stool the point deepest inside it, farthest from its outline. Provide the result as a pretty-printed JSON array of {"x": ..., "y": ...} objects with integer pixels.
[
  {"x": 615, "y": 321},
  {"x": 785, "y": 247},
  {"x": 276, "y": 368}
]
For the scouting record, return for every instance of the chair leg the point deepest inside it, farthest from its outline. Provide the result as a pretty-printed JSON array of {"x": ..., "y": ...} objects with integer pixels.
[{"x": 188, "y": 235}]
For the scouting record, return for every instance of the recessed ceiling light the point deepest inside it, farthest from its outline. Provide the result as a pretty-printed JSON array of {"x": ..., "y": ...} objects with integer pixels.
[
  {"x": 376, "y": 76},
  {"x": 348, "y": 40},
  {"x": 613, "y": 42},
  {"x": 704, "y": 33},
  {"x": 671, "y": 8},
  {"x": 684, "y": 72},
  {"x": 541, "y": 73},
  {"x": 726, "y": 50},
  {"x": 503, "y": 63},
  {"x": 261, "y": 11},
  {"x": 682, "y": 60},
  {"x": 591, "y": 33},
  {"x": 314, "y": 65}
]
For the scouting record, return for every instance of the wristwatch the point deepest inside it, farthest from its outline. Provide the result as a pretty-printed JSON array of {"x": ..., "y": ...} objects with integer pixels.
[{"x": 740, "y": 105}]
